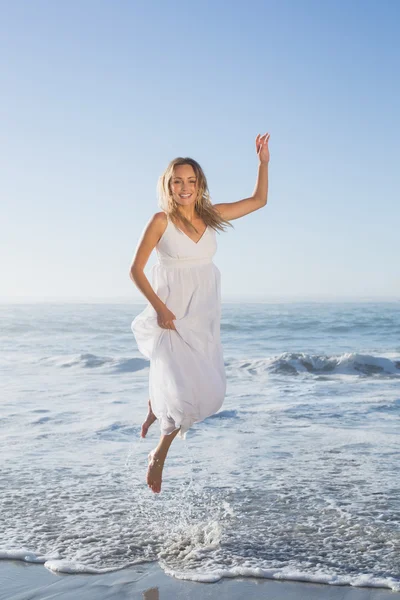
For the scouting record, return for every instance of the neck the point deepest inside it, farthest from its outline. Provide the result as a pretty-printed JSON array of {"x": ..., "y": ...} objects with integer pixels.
[{"x": 188, "y": 212}]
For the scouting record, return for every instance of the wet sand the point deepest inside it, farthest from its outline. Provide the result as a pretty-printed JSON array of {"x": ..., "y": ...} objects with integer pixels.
[{"x": 24, "y": 581}]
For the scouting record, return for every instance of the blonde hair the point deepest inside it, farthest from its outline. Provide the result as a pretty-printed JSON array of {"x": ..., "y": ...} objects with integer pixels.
[{"x": 203, "y": 205}]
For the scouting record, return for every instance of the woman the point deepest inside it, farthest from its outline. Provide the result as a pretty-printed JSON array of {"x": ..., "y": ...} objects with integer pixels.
[{"x": 179, "y": 330}]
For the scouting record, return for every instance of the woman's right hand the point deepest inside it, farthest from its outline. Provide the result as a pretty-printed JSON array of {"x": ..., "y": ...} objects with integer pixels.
[{"x": 165, "y": 318}]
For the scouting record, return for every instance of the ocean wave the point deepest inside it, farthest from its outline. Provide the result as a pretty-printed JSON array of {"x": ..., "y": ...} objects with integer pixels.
[
  {"x": 352, "y": 363},
  {"x": 92, "y": 361}
]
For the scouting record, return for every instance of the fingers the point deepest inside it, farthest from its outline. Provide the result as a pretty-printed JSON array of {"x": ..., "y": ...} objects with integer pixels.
[
  {"x": 261, "y": 140},
  {"x": 167, "y": 325}
]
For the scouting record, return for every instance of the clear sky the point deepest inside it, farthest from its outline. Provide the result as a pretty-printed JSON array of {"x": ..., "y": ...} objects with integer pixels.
[{"x": 98, "y": 96}]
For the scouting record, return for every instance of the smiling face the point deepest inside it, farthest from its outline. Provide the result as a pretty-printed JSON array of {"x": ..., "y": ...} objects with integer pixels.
[{"x": 184, "y": 185}]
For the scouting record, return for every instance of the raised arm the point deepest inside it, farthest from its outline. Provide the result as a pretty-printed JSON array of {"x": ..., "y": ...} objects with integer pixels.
[{"x": 234, "y": 210}]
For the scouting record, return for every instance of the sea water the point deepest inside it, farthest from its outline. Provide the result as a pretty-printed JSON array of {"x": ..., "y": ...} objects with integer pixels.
[{"x": 297, "y": 477}]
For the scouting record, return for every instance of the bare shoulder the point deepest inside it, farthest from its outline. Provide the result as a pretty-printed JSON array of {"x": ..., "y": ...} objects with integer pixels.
[
  {"x": 160, "y": 217},
  {"x": 156, "y": 225},
  {"x": 159, "y": 223},
  {"x": 149, "y": 238},
  {"x": 153, "y": 229}
]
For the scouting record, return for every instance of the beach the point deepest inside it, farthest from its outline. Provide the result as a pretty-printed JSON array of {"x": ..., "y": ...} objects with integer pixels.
[
  {"x": 293, "y": 484},
  {"x": 22, "y": 581}
]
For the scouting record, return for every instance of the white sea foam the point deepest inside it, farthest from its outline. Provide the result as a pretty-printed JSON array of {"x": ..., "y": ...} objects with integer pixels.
[{"x": 362, "y": 580}]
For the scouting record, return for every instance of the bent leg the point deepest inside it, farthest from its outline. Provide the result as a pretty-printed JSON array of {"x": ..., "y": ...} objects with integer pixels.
[
  {"x": 157, "y": 459},
  {"x": 150, "y": 418}
]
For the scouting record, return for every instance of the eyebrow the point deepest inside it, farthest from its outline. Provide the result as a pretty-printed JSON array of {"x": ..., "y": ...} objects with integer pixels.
[{"x": 190, "y": 177}]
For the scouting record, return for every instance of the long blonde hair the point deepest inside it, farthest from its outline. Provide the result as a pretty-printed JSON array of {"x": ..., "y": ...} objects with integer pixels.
[{"x": 203, "y": 205}]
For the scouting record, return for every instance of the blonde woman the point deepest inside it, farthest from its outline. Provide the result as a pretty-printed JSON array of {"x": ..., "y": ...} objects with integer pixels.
[{"x": 179, "y": 330}]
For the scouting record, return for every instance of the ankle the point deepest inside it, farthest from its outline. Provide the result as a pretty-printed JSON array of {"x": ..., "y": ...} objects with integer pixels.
[{"x": 159, "y": 456}]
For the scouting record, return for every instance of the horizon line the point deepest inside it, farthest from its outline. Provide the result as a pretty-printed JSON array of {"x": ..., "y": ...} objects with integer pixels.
[{"x": 224, "y": 299}]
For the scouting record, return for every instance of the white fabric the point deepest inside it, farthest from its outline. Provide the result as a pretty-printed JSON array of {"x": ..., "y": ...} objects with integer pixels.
[{"x": 187, "y": 380}]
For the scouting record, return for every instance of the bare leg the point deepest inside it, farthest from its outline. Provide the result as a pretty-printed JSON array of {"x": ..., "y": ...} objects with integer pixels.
[
  {"x": 149, "y": 421},
  {"x": 156, "y": 461}
]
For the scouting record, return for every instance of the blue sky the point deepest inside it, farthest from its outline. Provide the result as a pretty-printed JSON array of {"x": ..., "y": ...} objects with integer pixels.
[{"x": 97, "y": 98}]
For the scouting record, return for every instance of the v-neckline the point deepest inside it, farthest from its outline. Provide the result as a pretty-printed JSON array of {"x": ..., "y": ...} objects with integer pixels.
[{"x": 189, "y": 238}]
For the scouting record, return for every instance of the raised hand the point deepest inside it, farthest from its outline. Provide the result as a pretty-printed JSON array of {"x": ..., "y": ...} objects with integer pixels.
[{"x": 262, "y": 147}]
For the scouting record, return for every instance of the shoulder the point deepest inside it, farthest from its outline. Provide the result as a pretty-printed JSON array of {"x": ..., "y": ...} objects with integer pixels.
[
  {"x": 160, "y": 220},
  {"x": 155, "y": 227},
  {"x": 160, "y": 217},
  {"x": 159, "y": 223}
]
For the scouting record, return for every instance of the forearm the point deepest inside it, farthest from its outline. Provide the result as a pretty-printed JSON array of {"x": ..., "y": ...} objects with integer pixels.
[
  {"x": 261, "y": 189},
  {"x": 142, "y": 283}
]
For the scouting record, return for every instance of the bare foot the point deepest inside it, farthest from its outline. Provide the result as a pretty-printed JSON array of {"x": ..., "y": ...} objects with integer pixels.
[
  {"x": 149, "y": 421},
  {"x": 154, "y": 472}
]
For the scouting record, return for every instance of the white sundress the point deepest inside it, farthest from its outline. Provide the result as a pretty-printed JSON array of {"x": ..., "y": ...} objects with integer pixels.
[{"x": 187, "y": 380}]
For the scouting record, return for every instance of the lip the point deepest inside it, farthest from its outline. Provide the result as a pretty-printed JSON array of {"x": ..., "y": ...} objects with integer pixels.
[{"x": 188, "y": 195}]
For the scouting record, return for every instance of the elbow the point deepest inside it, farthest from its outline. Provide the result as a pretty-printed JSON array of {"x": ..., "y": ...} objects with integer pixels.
[
  {"x": 133, "y": 272},
  {"x": 261, "y": 200}
]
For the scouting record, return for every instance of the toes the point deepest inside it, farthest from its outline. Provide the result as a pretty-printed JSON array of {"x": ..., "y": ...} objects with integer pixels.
[
  {"x": 155, "y": 486},
  {"x": 150, "y": 481}
]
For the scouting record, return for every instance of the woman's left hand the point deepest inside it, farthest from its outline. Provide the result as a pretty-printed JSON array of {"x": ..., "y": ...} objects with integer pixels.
[{"x": 262, "y": 147}]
